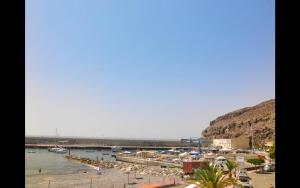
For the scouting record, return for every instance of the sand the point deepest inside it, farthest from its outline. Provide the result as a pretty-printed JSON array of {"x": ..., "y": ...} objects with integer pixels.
[
  {"x": 262, "y": 180},
  {"x": 111, "y": 178}
]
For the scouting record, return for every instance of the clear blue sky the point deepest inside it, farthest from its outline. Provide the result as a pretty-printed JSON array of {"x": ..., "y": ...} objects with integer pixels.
[{"x": 145, "y": 68}]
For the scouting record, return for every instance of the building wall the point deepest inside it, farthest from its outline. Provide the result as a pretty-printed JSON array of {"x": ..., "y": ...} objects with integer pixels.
[
  {"x": 224, "y": 143},
  {"x": 240, "y": 143}
]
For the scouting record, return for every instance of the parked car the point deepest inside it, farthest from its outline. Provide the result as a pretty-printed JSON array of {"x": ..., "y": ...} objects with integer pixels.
[
  {"x": 269, "y": 168},
  {"x": 243, "y": 177},
  {"x": 243, "y": 185}
]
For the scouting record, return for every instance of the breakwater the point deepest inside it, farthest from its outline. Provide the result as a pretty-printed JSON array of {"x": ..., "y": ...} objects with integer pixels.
[
  {"x": 131, "y": 164},
  {"x": 45, "y": 146},
  {"x": 85, "y": 160},
  {"x": 146, "y": 162},
  {"x": 102, "y": 143}
]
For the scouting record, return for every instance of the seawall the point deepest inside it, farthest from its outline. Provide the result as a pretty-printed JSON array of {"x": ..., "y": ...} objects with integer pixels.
[{"x": 102, "y": 143}]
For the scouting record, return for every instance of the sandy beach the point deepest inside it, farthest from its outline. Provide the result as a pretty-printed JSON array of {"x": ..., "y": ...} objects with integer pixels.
[{"x": 110, "y": 178}]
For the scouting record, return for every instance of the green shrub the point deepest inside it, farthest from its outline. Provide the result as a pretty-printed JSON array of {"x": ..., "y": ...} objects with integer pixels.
[{"x": 256, "y": 161}]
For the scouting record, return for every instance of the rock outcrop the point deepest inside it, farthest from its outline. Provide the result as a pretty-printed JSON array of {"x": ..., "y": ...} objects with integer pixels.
[{"x": 261, "y": 118}]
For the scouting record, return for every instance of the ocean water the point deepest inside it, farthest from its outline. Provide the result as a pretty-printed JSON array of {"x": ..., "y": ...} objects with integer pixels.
[{"x": 56, "y": 163}]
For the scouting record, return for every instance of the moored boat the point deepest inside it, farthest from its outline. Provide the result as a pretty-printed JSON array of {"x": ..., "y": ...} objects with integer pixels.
[{"x": 61, "y": 150}]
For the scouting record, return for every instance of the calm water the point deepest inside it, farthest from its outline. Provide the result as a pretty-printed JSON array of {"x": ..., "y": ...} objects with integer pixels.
[{"x": 55, "y": 163}]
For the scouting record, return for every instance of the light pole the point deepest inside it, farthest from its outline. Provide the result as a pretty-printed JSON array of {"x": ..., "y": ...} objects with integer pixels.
[{"x": 252, "y": 139}]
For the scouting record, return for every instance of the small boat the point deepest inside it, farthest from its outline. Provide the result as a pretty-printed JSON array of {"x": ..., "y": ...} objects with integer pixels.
[
  {"x": 58, "y": 150},
  {"x": 53, "y": 149},
  {"x": 105, "y": 153},
  {"x": 31, "y": 151},
  {"x": 61, "y": 150}
]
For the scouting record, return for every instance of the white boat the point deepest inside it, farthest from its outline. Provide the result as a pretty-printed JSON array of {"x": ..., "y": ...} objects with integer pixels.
[
  {"x": 58, "y": 149},
  {"x": 31, "y": 151},
  {"x": 61, "y": 150},
  {"x": 54, "y": 149}
]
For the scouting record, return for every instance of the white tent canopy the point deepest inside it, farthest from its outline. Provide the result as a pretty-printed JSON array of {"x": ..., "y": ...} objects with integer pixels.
[
  {"x": 225, "y": 149},
  {"x": 220, "y": 158},
  {"x": 183, "y": 154},
  {"x": 191, "y": 186},
  {"x": 194, "y": 153}
]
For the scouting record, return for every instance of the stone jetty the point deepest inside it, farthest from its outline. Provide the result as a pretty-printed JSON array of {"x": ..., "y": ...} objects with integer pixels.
[{"x": 130, "y": 167}]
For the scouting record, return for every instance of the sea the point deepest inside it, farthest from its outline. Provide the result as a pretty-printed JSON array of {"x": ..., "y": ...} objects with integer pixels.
[{"x": 55, "y": 163}]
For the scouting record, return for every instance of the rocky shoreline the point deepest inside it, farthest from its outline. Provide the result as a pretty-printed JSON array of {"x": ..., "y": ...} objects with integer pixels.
[{"x": 130, "y": 167}]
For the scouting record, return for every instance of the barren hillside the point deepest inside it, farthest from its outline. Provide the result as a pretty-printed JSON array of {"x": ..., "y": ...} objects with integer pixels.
[{"x": 234, "y": 124}]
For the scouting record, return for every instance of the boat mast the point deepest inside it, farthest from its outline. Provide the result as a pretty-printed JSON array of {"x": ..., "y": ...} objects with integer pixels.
[{"x": 56, "y": 135}]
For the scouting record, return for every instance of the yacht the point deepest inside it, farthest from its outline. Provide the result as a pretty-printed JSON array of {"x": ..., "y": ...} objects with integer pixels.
[
  {"x": 54, "y": 149},
  {"x": 58, "y": 149},
  {"x": 61, "y": 150}
]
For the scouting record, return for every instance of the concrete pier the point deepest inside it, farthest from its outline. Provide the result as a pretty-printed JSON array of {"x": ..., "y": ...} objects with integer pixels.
[
  {"x": 102, "y": 147},
  {"x": 101, "y": 143}
]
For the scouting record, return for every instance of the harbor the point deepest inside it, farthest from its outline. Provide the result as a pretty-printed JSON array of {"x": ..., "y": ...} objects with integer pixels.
[{"x": 150, "y": 163}]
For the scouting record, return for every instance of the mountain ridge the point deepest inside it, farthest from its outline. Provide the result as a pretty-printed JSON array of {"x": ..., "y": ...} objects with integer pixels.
[{"x": 260, "y": 118}]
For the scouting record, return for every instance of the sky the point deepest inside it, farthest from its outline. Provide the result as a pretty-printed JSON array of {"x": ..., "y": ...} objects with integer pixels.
[{"x": 144, "y": 68}]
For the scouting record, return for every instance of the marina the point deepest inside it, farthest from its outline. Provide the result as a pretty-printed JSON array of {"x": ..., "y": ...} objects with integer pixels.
[{"x": 154, "y": 163}]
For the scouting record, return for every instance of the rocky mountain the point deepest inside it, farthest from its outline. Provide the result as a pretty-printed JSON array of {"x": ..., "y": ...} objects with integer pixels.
[{"x": 261, "y": 118}]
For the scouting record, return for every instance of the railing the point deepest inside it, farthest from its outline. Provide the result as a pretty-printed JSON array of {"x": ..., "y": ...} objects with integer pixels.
[{"x": 97, "y": 183}]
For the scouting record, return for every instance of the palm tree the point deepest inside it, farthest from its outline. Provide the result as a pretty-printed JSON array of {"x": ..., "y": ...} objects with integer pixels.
[
  {"x": 213, "y": 177},
  {"x": 231, "y": 165},
  {"x": 272, "y": 151}
]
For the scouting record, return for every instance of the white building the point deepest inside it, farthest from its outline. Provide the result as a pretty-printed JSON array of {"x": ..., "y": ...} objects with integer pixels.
[
  {"x": 224, "y": 143},
  {"x": 241, "y": 142}
]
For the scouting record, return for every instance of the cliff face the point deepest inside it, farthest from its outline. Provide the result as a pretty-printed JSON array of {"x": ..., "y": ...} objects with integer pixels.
[{"x": 238, "y": 123}]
